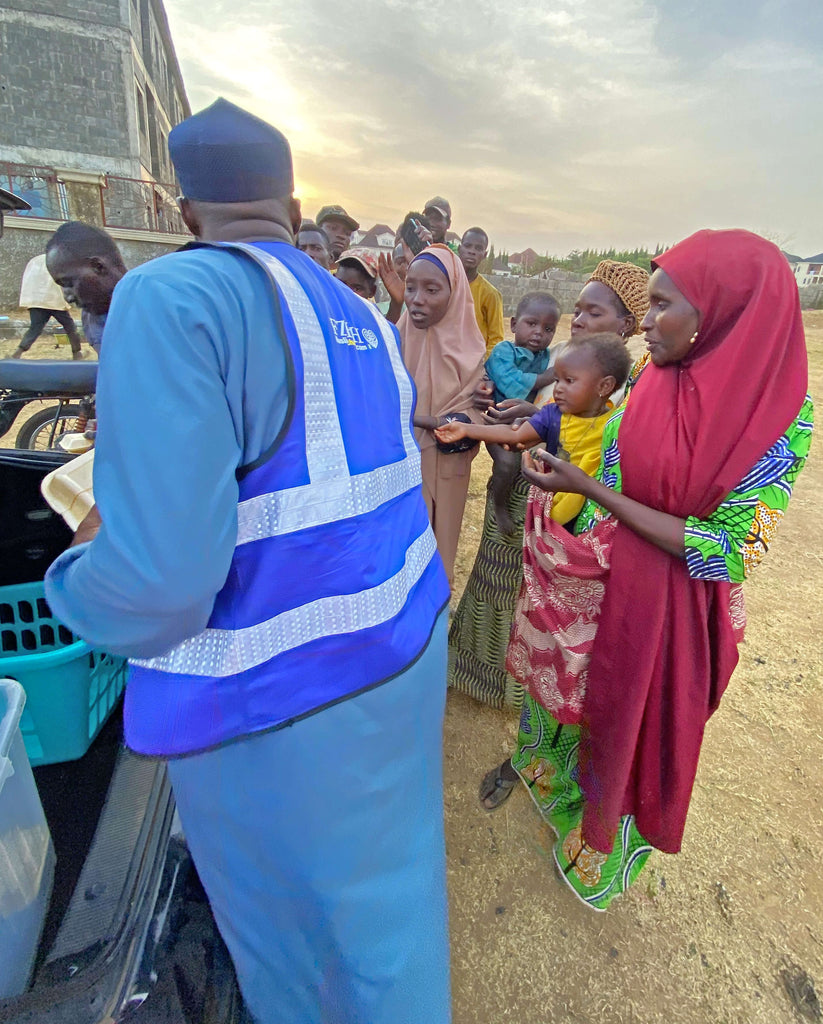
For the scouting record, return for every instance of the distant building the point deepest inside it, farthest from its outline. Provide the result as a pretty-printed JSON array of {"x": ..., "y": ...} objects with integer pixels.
[
  {"x": 501, "y": 268},
  {"x": 807, "y": 272},
  {"x": 377, "y": 239},
  {"x": 90, "y": 93},
  {"x": 523, "y": 261}
]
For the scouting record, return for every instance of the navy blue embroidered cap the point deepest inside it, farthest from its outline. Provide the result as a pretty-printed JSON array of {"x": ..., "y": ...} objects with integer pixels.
[{"x": 224, "y": 154}]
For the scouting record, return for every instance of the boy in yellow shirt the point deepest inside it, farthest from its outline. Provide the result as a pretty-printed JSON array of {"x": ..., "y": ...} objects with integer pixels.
[{"x": 488, "y": 302}]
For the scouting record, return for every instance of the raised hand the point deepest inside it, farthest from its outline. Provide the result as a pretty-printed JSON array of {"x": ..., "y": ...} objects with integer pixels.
[
  {"x": 423, "y": 233},
  {"x": 451, "y": 432},
  {"x": 553, "y": 474},
  {"x": 390, "y": 278},
  {"x": 509, "y": 410},
  {"x": 483, "y": 396}
]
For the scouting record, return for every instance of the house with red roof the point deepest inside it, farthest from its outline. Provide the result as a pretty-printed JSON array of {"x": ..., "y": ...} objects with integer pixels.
[
  {"x": 377, "y": 239},
  {"x": 523, "y": 260}
]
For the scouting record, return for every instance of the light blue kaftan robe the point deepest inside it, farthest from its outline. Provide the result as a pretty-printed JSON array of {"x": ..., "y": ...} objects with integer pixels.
[{"x": 320, "y": 844}]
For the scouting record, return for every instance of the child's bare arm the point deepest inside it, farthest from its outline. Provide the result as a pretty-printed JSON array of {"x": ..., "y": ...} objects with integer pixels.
[
  {"x": 506, "y": 466},
  {"x": 491, "y": 434},
  {"x": 427, "y": 422}
]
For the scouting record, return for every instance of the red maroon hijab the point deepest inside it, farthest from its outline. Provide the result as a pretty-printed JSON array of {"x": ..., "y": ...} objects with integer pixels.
[{"x": 665, "y": 648}]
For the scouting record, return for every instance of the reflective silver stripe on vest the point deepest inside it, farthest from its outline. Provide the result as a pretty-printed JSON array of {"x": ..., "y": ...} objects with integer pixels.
[
  {"x": 401, "y": 375},
  {"x": 226, "y": 652},
  {"x": 332, "y": 493}
]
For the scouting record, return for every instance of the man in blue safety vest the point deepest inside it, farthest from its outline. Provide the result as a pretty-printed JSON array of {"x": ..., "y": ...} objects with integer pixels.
[{"x": 267, "y": 565}]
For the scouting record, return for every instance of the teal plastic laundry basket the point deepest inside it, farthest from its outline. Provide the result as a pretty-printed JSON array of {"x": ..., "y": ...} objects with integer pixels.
[{"x": 71, "y": 689}]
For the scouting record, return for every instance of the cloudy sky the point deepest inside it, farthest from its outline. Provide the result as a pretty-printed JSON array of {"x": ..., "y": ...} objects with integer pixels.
[{"x": 558, "y": 124}]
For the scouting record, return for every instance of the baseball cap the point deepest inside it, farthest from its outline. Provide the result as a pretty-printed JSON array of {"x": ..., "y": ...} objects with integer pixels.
[
  {"x": 340, "y": 213},
  {"x": 366, "y": 259},
  {"x": 441, "y": 205}
]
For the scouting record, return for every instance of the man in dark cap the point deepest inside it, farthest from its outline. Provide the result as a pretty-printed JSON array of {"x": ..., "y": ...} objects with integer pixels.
[
  {"x": 438, "y": 212},
  {"x": 339, "y": 227},
  {"x": 269, "y": 568}
]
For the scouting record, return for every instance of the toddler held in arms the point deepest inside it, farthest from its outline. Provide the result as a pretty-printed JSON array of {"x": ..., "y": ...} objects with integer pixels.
[
  {"x": 588, "y": 370},
  {"x": 519, "y": 369}
]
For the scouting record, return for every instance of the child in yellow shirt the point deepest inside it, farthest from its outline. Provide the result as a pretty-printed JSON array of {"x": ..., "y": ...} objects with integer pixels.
[{"x": 589, "y": 369}]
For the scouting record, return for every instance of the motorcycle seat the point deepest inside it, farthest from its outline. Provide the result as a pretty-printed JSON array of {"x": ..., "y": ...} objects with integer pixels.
[{"x": 55, "y": 377}]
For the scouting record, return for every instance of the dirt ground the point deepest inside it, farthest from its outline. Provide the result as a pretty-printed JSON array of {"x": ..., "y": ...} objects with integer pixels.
[
  {"x": 730, "y": 931},
  {"x": 721, "y": 933}
]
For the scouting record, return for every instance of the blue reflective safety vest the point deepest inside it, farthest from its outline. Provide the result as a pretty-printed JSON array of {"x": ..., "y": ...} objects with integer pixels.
[{"x": 335, "y": 582}]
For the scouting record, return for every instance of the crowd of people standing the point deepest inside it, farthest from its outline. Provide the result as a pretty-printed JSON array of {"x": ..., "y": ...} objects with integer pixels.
[{"x": 279, "y": 573}]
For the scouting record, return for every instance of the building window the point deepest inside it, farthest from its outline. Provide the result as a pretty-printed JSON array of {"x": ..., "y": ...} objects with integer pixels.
[
  {"x": 141, "y": 111},
  {"x": 63, "y": 199},
  {"x": 39, "y": 186}
]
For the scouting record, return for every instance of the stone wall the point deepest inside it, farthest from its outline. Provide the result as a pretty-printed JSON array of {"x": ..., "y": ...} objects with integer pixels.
[
  {"x": 64, "y": 83},
  {"x": 88, "y": 85},
  {"x": 95, "y": 12},
  {"x": 811, "y": 297},
  {"x": 563, "y": 285}
]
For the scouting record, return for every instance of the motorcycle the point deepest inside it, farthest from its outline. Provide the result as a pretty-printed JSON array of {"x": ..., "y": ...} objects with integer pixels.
[{"x": 72, "y": 384}]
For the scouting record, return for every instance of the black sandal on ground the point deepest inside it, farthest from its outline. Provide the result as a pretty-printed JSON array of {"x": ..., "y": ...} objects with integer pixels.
[{"x": 495, "y": 788}]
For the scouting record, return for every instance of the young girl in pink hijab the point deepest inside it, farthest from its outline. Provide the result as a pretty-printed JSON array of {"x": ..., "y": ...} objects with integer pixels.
[{"x": 444, "y": 352}]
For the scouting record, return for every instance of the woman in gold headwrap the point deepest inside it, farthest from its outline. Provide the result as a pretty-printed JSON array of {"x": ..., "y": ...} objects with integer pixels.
[{"x": 614, "y": 299}]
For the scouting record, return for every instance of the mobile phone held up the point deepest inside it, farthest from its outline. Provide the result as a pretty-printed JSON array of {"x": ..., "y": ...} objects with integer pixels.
[{"x": 411, "y": 237}]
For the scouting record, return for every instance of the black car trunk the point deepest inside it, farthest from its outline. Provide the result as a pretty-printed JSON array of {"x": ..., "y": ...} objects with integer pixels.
[{"x": 128, "y": 934}]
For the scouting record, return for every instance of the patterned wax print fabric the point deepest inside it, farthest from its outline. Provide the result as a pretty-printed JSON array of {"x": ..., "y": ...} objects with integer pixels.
[
  {"x": 634, "y": 374},
  {"x": 732, "y": 541},
  {"x": 479, "y": 633},
  {"x": 547, "y": 763}
]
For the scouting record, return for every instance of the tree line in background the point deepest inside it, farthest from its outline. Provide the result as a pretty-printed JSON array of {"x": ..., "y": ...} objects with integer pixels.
[{"x": 579, "y": 261}]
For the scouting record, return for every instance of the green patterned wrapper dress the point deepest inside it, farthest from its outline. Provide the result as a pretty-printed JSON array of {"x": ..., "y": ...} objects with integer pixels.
[{"x": 479, "y": 634}]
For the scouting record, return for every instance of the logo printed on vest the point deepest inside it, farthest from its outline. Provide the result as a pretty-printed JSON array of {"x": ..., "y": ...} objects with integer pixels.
[{"x": 347, "y": 334}]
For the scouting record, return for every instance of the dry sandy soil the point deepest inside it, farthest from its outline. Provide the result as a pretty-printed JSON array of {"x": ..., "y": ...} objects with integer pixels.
[{"x": 730, "y": 931}]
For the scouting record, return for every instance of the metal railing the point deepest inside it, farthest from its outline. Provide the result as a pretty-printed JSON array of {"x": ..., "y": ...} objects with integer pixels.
[
  {"x": 39, "y": 186},
  {"x": 141, "y": 205},
  {"x": 124, "y": 202}
]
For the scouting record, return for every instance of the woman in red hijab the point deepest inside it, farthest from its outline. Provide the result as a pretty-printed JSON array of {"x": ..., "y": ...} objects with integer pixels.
[{"x": 638, "y": 617}]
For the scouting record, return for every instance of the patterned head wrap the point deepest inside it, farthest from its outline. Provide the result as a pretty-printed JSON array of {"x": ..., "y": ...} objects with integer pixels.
[{"x": 629, "y": 283}]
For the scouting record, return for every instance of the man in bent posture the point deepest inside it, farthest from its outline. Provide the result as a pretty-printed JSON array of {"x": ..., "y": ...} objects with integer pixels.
[{"x": 271, "y": 572}]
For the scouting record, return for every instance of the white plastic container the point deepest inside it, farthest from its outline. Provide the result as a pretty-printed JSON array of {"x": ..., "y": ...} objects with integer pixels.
[
  {"x": 26, "y": 851},
  {"x": 68, "y": 489},
  {"x": 76, "y": 444}
]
